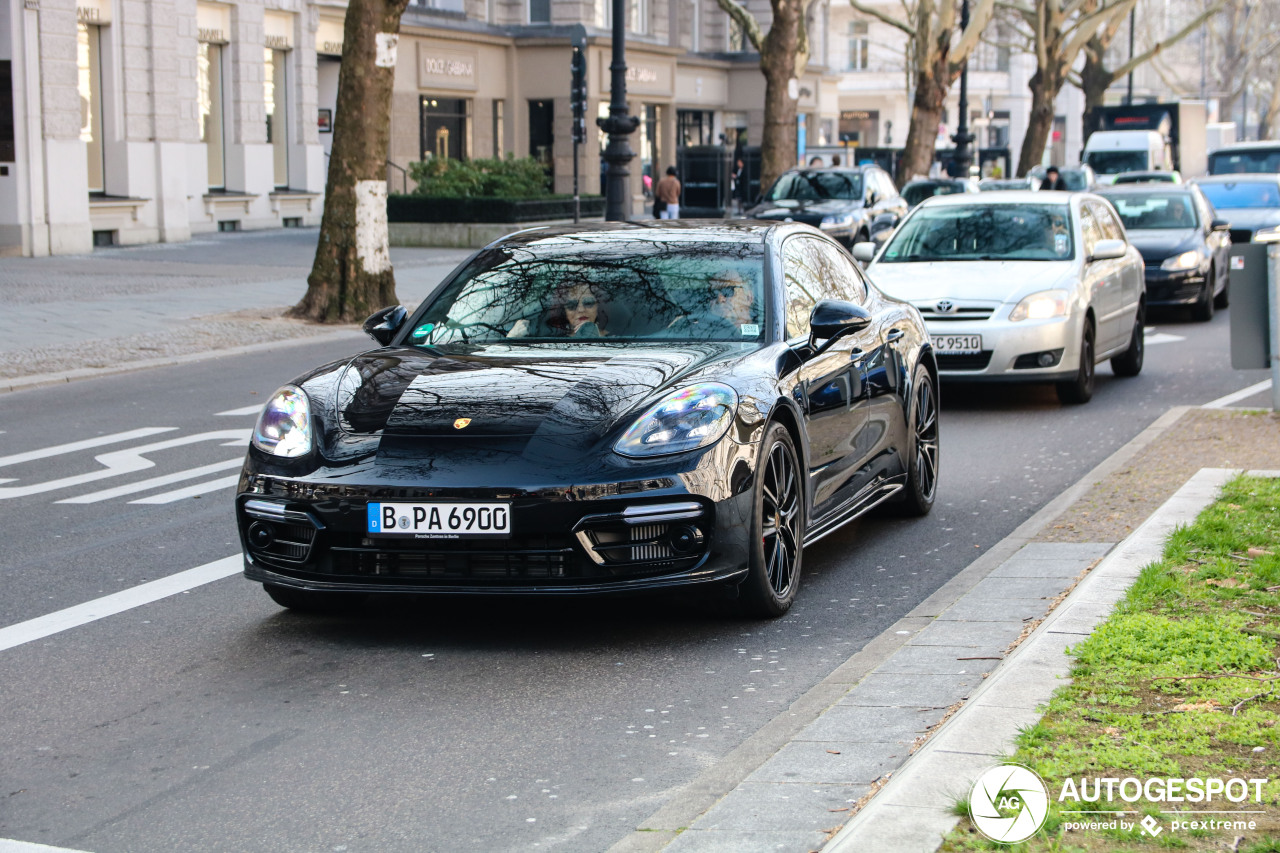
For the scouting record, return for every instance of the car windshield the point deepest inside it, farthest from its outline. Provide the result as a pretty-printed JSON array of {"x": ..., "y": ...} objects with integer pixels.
[
  {"x": 1155, "y": 210},
  {"x": 1115, "y": 162},
  {"x": 1146, "y": 178},
  {"x": 1243, "y": 194},
  {"x": 916, "y": 193},
  {"x": 1261, "y": 160},
  {"x": 983, "y": 232},
  {"x": 582, "y": 289},
  {"x": 817, "y": 186},
  {"x": 993, "y": 184}
]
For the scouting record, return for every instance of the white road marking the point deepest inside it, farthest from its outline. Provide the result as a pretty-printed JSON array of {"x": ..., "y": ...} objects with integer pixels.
[
  {"x": 125, "y": 462},
  {"x": 1151, "y": 337},
  {"x": 60, "y": 449},
  {"x": 119, "y": 602},
  {"x": 163, "y": 480},
  {"x": 232, "y": 413},
  {"x": 1223, "y": 402},
  {"x": 188, "y": 492},
  {"x": 8, "y": 846}
]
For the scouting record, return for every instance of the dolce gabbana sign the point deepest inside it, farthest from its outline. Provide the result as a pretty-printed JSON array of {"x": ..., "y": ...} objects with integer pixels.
[
  {"x": 643, "y": 77},
  {"x": 445, "y": 69}
]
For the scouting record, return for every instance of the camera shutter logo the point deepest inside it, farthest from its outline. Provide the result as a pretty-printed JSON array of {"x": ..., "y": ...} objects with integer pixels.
[{"x": 1009, "y": 803}]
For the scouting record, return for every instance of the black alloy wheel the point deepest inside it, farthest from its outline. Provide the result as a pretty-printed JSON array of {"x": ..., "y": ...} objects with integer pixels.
[
  {"x": 777, "y": 530},
  {"x": 1129, "y": 362},
  {"x": 922, "y": 466},
  {"x": 1202, "y": 310},
  {"x": 312, "y": 601},
  {"x": 1080, "y": 390}
]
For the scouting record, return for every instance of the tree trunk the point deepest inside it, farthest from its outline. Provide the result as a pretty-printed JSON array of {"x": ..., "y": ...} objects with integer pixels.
[
  {"x": 1043, "y": 93},
  {"x": 778, "y": 63},
  {"x": 351, "y": 276},
  {"x": 932, "y": 85},
  {"x": 1095, "y": 79}
]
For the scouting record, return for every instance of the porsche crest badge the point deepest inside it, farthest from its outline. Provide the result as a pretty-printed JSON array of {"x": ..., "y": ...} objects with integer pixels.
[{"x": 461, "y": 423}]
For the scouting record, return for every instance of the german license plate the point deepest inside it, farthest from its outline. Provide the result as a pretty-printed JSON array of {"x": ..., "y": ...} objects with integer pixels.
[
  {"x": 957, "y": 344},
  {"x": 455, "y": 520}
]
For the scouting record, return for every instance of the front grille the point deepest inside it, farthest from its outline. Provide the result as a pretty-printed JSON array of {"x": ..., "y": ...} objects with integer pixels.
[
  {"x": 930, "y": 313},
  {"x": 483, "y": 562},
  {"x": 1241, "y": 235},
  {"x": 969, "y": 361},
  {"x": 653, "y": 545}
]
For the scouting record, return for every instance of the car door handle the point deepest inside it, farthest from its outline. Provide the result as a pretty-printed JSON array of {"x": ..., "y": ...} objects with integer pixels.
[
  {"x": 855, "y": 353},
  {"x": 895, "y": 335}
]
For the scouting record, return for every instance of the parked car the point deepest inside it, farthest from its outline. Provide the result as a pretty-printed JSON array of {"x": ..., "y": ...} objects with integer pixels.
[
  {"x": 1250, "y": 202},
  {"x": 1077, "y": 178},
  {"x": 1184, "y": 244},
  {"x": 1246, "y": 158},
  {"x": 918, "y": 189},
  {"x": 848, "y": 204},
  {"x": 1028, "y": 182},
  {"x": 607, "y": 409},
  {"x": 1021, "y": 287},
  {"x": 1149, "y": 177}
]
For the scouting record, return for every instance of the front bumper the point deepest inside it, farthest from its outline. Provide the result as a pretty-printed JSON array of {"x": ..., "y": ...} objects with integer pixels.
[
  {"x": 1010, "y": 351},
  {"x": 655, "y": 533},
  {"x": 1184, "y": 287}
]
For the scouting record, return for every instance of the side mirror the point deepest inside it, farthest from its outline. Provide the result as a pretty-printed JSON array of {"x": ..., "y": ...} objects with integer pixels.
[
  {"x": 863, "y": 252},
  {"x": 832, "y": 319},
  {"x": 1220, "y": 225},
  {"x": 383, "y": 324},
  {"x": 1107, "y": 250}
]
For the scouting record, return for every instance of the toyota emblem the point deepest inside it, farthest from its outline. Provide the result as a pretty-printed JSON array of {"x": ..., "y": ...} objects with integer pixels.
[{"x": 946, "y": 306}]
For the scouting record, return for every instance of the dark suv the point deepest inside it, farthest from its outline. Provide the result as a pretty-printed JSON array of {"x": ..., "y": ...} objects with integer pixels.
[{"x": 852, "y": 205}]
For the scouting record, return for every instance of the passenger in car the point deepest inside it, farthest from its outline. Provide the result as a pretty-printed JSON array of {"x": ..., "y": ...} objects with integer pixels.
[{"x": 577, "y": 313}]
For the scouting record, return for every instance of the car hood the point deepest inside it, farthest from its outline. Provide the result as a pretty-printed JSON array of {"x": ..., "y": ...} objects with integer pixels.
[
  {"x": 508, "y": 391},
  {"x": 804, "y": 211},
  {"x": 1250, "y": 217},
  {"x": 1156, "y": 244},
  {"x": 984, "y": 281}
]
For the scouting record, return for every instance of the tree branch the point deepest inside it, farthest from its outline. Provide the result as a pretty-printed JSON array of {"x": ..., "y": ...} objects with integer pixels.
[
  {"x": 970, "y": 37},
  {"x": 873, "y": 12},
  {"x": 1142, "y": 58},
  {"x": 746, "y": 20}
]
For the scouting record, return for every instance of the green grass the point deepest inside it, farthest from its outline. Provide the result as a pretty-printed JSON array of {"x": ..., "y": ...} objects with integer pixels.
[{"x": 1154, "y": 687}]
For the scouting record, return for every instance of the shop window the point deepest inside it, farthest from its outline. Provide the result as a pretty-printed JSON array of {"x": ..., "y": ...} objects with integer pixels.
[
  {"x": 695, "y": 127},
  {"x": 89, "y": 60},
  {"x": 542, "y": 137},
  {"x": 209, "y": 81},
  {"x": 275, "y": 95},
  {"x": 859, "y": 43},
  {"x": 445, "y": 127}
]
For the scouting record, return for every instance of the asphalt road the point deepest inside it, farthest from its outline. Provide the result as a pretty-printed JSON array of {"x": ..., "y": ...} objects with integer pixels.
[{"x": 213, "y": 720}]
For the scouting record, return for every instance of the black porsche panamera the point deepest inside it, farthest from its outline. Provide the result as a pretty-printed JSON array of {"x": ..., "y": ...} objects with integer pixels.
[{"x": 605, "y": 409}]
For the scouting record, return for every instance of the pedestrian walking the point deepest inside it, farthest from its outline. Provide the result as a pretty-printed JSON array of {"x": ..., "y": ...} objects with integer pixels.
[{"x": 668, "y": 192}]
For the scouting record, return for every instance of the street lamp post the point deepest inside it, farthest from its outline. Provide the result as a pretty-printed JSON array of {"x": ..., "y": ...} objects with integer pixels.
[
  {"x": 618, "y": 124},
  {"x": 962, "y": 159}
]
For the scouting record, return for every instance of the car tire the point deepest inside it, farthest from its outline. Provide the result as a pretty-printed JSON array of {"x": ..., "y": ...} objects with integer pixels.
[
  {"x": 1223, "y": 299},
  {"x": 1129, "y": 362},
  {"x": 922, "y": 462},
  {"x": 1202, "y": 310},
  {"x": 312, "y": 601},
  {"x": 1077, "y": 391},
  {"x": 777, "y": 529}
]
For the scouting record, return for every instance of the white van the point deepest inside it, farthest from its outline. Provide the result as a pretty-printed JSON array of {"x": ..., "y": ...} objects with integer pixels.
[{"x": 1110, "y": 152}]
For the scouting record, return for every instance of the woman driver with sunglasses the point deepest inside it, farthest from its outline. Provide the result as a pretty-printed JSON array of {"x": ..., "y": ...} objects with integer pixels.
[{"x": 577, "y": 313}]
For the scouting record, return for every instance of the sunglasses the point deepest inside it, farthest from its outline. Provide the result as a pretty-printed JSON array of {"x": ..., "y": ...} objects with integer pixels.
[
  {"x": 727, "y": 291},
  {"x": 585, "y": 302}
]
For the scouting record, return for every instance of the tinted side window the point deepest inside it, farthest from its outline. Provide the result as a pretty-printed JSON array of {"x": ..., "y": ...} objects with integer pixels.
[
  {"x": 885, "y": 181},
  {"x": 800, "y": 266},
  {"x": 1111, "y": 228},
  {"x": 1089, "y": 227},
  {"x": 1207, "y": 213},
  {"x": 838, "y": 278}
]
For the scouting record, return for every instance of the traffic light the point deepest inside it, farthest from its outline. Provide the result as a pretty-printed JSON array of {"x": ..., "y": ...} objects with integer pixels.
[{"x": 578, "y": 93}]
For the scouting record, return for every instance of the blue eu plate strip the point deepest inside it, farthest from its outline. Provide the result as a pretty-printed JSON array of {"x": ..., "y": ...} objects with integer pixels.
[{"x": 375, "y": 516}]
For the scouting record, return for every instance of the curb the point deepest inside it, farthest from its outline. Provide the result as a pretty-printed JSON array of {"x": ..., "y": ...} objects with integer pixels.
[
  {"x": 913, "y": 810},
  {"x": 24, "y": 383}
]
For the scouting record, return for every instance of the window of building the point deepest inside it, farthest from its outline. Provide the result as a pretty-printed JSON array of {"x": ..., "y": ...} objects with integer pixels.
[
  {"x": 540, "y": 11},
  {"x": 690, "y": 25},
  {"x": 445, "y": 127},
  {"x": 499, "y": 127},
  {"x": 89, "y": 60},
  {"x": 275, "y": 92},
  {"x": 859, "y": 44},
  {"x": 638, "y": 16},
  {"x": 542, "y": 137},
  {"x": 209, "y": 81},
  {"x": 695, "y": 127},
  {"x": 440, "y": 5}
]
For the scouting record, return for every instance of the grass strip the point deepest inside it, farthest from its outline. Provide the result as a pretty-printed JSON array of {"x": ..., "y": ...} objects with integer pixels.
[{"x": 1182, "y": 681}]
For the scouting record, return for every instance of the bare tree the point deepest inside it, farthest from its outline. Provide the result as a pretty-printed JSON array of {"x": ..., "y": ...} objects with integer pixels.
[
  {"x": 1095, "y": 78},
  {"x": 937, "y": 50},
  {"x": 351, "y": 276},
  {"x": 1057, "y": 31},
  {"x": 784, "y": 55}
]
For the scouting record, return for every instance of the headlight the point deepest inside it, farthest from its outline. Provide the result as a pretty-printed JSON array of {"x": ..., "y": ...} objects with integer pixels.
[
  {"x": 685, "y": 420},
  {"x": 837, "y": 221},
  {"x": 1267, "y": 235},
  {"x": 284, "y": 427},
  {"x": 1185, "y": 261},
  {"x": 1041, "y": 306}
]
